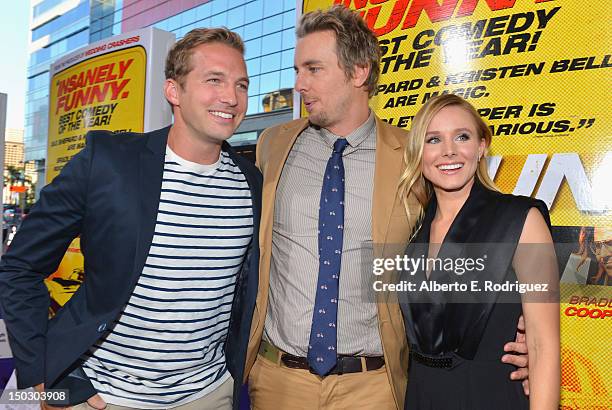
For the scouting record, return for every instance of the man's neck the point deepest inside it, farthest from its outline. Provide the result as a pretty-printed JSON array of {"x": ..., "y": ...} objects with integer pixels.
[
  {"x": 354, "y": 118},
  {"x": 191, "y": 148}
]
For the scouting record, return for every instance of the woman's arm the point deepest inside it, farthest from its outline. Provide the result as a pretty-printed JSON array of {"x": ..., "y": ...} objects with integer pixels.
[{"x": 535, "y": 262}]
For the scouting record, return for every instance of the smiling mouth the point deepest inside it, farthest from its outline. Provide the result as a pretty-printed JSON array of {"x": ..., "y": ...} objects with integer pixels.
[
  {"x": 450, "y": 167},
  {"x": 224, "y": 115}
]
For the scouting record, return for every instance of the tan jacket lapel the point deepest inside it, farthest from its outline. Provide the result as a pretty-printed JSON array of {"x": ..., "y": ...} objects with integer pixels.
[
  {"x": 390, "y": 233},
  {"x": 273, "y": 149}
]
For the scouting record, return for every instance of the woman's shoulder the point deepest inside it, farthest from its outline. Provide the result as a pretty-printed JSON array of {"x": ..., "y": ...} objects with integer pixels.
[{"x": 518, "y": 206}]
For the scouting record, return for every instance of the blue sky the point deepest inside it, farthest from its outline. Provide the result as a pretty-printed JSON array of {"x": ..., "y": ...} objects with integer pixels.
[{"x": 14, "y": 24}]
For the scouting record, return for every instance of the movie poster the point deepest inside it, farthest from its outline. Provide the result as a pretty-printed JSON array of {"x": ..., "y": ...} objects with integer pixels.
[
  {"x": 539, "y": 73},
  {"x": 115, "y": 85}
]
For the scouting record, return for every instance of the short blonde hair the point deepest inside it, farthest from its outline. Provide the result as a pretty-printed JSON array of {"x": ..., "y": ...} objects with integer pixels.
[
  {"x": 412, "y": 180},
  {"x": 356, "y": 44},
  {"x": 178, "y": 61}
]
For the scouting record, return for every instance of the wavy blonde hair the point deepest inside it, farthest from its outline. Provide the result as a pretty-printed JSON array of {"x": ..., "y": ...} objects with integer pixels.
[{"x": 412, "y": 181}]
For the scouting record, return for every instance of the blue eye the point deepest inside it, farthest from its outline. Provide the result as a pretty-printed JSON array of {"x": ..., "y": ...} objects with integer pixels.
[
  {"x": 432, "y": 140},
  {"x": 463, "y": 137}
]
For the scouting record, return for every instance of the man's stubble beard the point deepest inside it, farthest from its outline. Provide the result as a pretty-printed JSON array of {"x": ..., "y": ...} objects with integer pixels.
[{"x": 323, "y": 120}]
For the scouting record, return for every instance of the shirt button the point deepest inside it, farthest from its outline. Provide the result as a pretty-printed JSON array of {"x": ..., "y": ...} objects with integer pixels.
[{"x": 102, "y": 328}]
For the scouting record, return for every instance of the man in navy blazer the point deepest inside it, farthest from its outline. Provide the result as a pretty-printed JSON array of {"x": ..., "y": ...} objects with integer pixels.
[{"x": 168, "y": 222}]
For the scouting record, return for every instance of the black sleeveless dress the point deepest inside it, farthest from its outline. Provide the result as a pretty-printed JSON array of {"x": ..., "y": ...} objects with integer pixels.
[{"x": 457, "y": 338}]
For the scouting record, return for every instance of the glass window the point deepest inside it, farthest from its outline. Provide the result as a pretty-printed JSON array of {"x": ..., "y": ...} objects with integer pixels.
[
  {"x": 253, "y": 48},
  {"x": 235, "y": 17},
  {"x": 253, "y": 85},
  {"x": 252, "y": 30},
  {"x": 287, "y": 58},
  {"x": 191, "y": 27},
  {"x": 203, "y": 23},
  {"x": 80, "y": 11},
  {"x": 95, "y": 37},
  {"x": 40, "y": 80},
  {"x": 254, "y": 105},
  {"x": 218, "y": 20},
  {"x": 289, "y": 4},
  {"x": 40, "y": 56},
  {"x": 272, "y": 7},
  {"x": 77, "y": 40},
  {"x": 180, "y": 33},
  {"x": 174, "y": 22},
  {"x": 269, "y": 82},
  {"x": 162, "y": 25},
  {"x": 289, "y": 19},
  {"x": 203, "y": 11},
  {"x": 253, "y": 66},
  {"x": 188, "y": 17},
  {"x": 219, "y": 6},
  {"x": 288, "y": 39},
  {"x": 234, "y": 3},
  {"x": 239, "y": 31},
  {"x": 287, "y": 78},
  {"x": 270, "y": 62},
  {"x": 272, "y": 24},
  {"x": 44, "y": 6},
  {"x": 271, "y": 43},
  {"x": 254, "y": 10}
]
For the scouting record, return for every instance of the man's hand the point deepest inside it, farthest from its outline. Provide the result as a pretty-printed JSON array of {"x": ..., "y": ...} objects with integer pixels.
[
  {"x": 519, "y": 357},
  {"x": 94, "y": 401}
]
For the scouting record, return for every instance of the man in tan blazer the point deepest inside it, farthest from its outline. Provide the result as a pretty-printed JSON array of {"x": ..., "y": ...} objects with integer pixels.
[{"x": 337, "y": 69}]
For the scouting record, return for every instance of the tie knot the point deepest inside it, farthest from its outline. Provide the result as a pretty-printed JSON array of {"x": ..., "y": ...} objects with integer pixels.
[{"x": 340, "y": 145}]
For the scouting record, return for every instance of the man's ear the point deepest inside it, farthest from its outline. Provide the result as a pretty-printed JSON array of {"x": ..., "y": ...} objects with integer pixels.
[
  {"x": 171, "y": 91},
  {"x": 360, "y": 75}
]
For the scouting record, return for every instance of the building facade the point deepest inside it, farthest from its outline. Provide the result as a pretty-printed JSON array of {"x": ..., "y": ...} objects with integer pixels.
[
  {"x": 17, "y": 171},
  {"x": 57, "y": 27},
  {"x": 267, "y": 27}
]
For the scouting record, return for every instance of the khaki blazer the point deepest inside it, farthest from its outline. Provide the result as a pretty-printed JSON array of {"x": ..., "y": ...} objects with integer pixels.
[{"x": 390, "y": 226}]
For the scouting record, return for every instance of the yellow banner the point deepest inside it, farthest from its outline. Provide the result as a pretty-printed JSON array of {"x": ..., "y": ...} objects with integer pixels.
[
  {"x": 539, "y": 73},
  {"x": 101, "y": 93},
  {"x": 537, "y": 70},
  {"x": 105, "y": 92}
]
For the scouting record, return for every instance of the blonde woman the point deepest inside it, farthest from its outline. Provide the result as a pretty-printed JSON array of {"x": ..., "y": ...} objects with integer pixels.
[{"x": 456, "y": 335}]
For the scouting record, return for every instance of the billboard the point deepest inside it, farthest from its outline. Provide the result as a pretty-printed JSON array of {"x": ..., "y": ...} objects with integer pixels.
[
  {"x": 114, "y": 84},
  {"x": 538, "y": 71}
]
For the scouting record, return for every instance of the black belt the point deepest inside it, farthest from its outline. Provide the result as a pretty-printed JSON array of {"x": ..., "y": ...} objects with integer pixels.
[
  {"x": 344, "y": 364},
  {"x": 441, "y": 362}
]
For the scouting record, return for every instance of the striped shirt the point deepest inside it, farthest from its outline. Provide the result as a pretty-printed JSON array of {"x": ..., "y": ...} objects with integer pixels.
[
  {"x": 294, "y": 267},
  {"x": 166, "y": 347}
]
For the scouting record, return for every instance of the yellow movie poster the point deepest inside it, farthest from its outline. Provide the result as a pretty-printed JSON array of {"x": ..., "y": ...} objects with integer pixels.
[
  {"x": 102, "y": 93},
  {"x": 539, "y": 73}
]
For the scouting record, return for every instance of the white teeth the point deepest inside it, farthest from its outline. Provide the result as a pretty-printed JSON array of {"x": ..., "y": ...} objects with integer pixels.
[
  {"x": 450, "y": 166},
  {"x": 222, "y": 114}
]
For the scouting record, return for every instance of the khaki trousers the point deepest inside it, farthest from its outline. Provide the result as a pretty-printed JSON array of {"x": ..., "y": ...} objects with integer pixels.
[
  {"x": 273, "y": 386},
  {"x": 219, "y": 399}
]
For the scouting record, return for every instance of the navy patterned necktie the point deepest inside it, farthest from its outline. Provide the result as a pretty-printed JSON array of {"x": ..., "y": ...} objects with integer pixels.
[{"x": 323, "y": 336}]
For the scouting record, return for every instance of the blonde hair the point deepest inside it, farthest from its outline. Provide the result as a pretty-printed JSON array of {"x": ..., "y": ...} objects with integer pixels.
[
  {"x": 356, "y": 44},
  {"x": 412, "y": 181}
]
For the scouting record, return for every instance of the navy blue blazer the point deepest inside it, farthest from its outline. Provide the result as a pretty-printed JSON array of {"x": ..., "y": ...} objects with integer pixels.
[{"x": 108, "y": 194}]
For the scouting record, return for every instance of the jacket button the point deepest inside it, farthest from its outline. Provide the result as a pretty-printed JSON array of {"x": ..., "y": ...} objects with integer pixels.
[{"x": 102, "y": 328}]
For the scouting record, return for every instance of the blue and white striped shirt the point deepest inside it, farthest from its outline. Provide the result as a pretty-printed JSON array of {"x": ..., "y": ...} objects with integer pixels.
[{"x": 166, "y": 347}]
